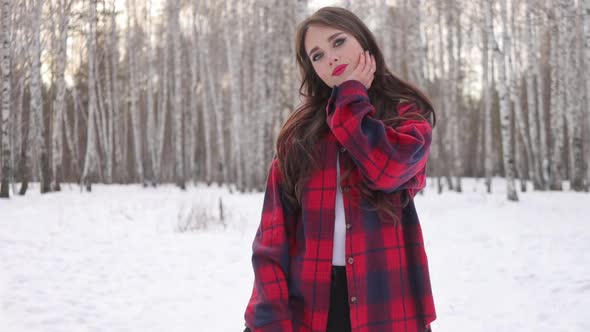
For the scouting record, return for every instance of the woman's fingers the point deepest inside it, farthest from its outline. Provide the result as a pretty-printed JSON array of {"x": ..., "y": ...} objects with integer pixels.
[{"x": 365, "y": 70}]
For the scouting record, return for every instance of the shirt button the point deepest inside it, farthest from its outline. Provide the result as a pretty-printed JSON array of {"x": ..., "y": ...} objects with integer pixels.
[
  {"x": 353, "y": 299},
  {"x": 342, "y": 149},
  {"x": 348, "y": 226},
  {"x": 350, "y": 260}
]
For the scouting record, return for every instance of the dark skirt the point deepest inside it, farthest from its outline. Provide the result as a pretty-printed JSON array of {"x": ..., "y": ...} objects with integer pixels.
[{"x": 339, "y": 313}]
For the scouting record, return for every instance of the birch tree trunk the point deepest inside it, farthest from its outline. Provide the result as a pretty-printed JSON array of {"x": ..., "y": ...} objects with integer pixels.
[
  {"x": 557, "y": 99},
  {"x": 59, "y": 105},
  {"x": 532, "y": 108},
  {"x": 516, "y": 93},
  {"x": 233, "y": 46},
  {"x": 151, "y": 124},
  {"x": 261, "y": 58},
  {"x": 72, "y": 133},
  {"x": 6, "y": 91},
  {"x": 210, "y": 80},
  {"x": 91, "y": 160},
  {"x": 111, "y": 101},
  {"x": 576, "y": 117},
  {"x": 543, "y": 110},
  {"x": 503, "y": 94},
  {"x": 487, "y": 94},
  {"x": 117, "y": 127},
  {"x": 162, "y": 112},
  {"x": 133, "y": 90},
  {"x": 247, "y": 102},
  {"x": 443, "y": 142},
  {"x": 416, "y": 61},
  {"x": 177, "y": 105},
  {"x": 193, "y": 111},
  {"x": 36, "y": 107},
  {"x": 456, "y": 77}
]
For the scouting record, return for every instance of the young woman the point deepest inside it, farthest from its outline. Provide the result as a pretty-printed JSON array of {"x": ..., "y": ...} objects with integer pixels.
[{"x": 339, "y": 246}]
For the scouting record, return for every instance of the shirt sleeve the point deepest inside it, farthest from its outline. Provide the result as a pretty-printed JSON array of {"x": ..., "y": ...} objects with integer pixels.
[
  {"x": 390, "y": 159},
  {"x": 268, "y": 308}
]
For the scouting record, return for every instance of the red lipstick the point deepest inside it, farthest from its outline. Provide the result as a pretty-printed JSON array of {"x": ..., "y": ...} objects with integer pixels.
[{"x": 339, "y": 70}]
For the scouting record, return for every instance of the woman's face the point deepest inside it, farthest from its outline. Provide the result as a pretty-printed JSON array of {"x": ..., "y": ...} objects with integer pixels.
[{"x": 333, "y": 53}]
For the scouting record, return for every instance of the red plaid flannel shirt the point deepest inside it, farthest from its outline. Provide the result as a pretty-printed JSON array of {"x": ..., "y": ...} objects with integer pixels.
[{"x": 387, "y": 268}]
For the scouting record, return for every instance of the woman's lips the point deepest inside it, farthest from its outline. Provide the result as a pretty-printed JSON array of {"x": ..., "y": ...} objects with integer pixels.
[{"x": 339, "y": 70}]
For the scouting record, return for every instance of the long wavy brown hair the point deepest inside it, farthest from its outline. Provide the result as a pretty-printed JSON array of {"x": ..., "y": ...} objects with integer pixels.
[{"x": 297, "y": 151}]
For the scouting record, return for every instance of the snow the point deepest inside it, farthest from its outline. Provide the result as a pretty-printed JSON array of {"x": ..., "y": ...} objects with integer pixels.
[{"x": 115, "y": 260}]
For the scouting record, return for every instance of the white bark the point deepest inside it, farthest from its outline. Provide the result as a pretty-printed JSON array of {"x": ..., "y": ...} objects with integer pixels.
[
  {"x": 91, "y": 159},
  {"x": 261, "y": 107},
  {"x": 6, "y": 90},
  {"x": 557, "y": 100},
  {"x": 500, "y": 58},
  {"x": 233, "y": 44},
  {"x": 532, "y": 108},
  {"x": 59, "y": 103},
  {"x": 193, "y": 111},
  {"x": 211, "y": 81},
  {"x": 543, "y": 110},
  {"x": 162, "y": 111},
  {"x": 133, "y": 89},
  {"x": 151, "y": 122},
  {"x": 72, "y": 133},
  {"x": 455, "y": 70},
  {"x": 383, "y": 14},
  {"x": 117, "y": 134},
  {"x": 516, "y": 93},
  {"x": 111, "y": 101},
  {"x": 575, "y": 116},
  {"x": 37, "y": 137},
  {"x": 177, "y": 104},
  {"x": 205, "y": 100},
  {"x": 418, "y": 55},
  {"x": 298, "y": 14}
]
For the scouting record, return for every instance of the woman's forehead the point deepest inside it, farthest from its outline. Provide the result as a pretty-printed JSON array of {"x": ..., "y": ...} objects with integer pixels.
[{"x": 318, "y": 34}]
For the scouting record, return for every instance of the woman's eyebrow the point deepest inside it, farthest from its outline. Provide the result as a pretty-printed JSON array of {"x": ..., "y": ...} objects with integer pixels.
[{"x": 329, "y": 39}]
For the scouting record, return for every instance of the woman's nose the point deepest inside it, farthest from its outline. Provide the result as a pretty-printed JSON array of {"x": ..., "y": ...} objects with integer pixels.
[{"x": 334, "y": 60}]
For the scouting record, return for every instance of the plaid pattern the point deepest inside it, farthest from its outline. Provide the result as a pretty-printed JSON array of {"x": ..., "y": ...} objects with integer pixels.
[{"x": 387, "y": 269}]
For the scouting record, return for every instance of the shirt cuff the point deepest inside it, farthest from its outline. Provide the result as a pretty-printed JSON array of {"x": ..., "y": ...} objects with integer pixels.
[
  {"x": 278, "y": 326},
  {"x": 352, "y": 87}
]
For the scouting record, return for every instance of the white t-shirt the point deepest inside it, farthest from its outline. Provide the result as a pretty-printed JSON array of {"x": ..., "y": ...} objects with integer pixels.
[{"x": 340, "y": 222}]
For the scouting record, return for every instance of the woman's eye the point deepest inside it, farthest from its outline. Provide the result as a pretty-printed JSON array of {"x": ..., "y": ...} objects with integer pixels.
[
  {"x": 316, "y": 56},
  {"x": 339, "y": 42}
]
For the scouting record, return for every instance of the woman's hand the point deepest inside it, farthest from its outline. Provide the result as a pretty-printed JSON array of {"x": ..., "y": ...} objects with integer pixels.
[{"x": 365, "y": 70}]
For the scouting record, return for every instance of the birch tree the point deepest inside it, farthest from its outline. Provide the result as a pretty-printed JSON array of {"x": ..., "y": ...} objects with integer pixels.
[
  {"x": 162, "y": 110},
  {"x": 557, "y": 98},
  {"x": 500, "y": 59},
  {"x": 89, "y": 173},
  {"x": 6, "y": 91},
  {"x": 542, "y": 83},
  {"x": 575, "y": 103},
  {"x": 63, "y": 18},
  {"x": 118, "y": 118},
  {"x": 37, "y": 133},
  {"x": 151, "y": 125},
  {"x": 177, "y": 104},
  {"x": 133, "y": 88},
  {"x": 233, "y": 45},
  {"x": 533, "y": 111},
  {"x": 516, "y": 94},
  {"x": 111, "y": 101}
]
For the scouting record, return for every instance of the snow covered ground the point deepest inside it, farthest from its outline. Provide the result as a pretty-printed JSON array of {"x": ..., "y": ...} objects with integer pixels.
[{"x": 114, "y": 260}]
